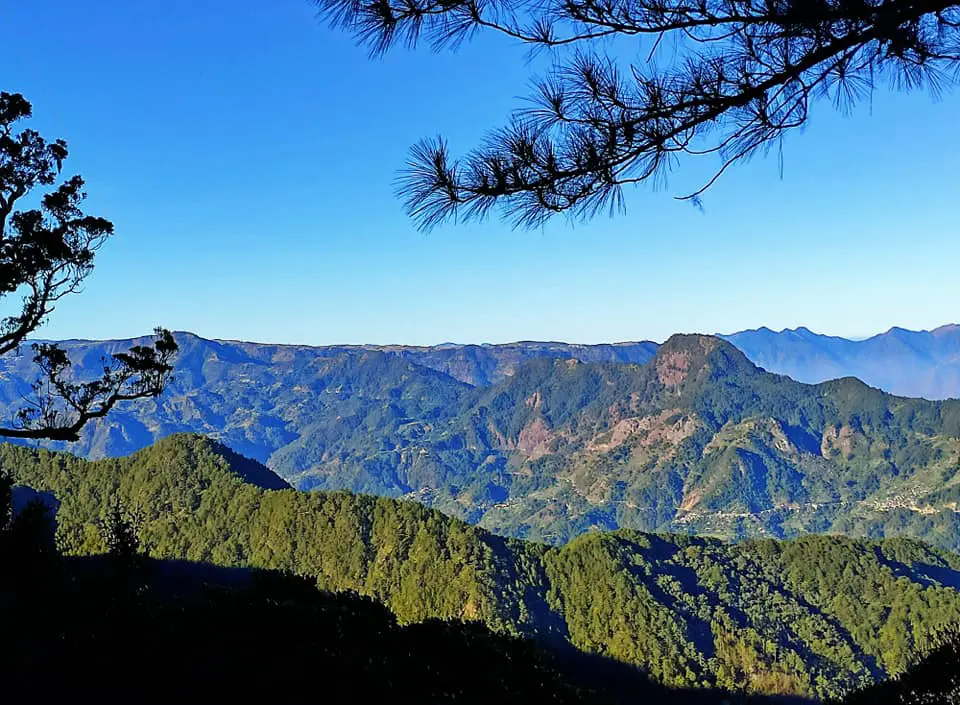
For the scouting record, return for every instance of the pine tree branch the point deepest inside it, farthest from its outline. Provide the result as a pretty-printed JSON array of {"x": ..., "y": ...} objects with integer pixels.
[{"x": 749, "y": 73}]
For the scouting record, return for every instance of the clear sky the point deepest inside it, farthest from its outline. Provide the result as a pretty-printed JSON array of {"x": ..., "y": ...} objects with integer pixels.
[{"x": 246, "y": 155}]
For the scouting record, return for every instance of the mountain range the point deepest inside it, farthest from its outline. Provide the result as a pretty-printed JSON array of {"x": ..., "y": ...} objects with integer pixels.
[
  {"x": 689, "y": 436},
  {"x": 909, "y": 363},
  {"x": 815, "y": 616}
]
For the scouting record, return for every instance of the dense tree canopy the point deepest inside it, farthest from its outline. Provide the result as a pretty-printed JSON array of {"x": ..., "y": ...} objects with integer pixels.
[
  {"x": 814, "y": 616},
  {"x": 46, "y": 252},
  {"x": 743, "y": 74}
]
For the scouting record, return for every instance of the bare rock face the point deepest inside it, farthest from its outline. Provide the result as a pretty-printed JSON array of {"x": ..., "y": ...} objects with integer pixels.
[
  {"x": 670, "y": 426},
  {"x": 672, "y": 368},
  {"x": 535, "y": 438},
  {"x": 840, "y": 438},
  {"x": 683, "y": 355}
]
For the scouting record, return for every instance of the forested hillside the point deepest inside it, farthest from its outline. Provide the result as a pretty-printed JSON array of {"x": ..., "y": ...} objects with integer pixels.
[
  {"x": 933, "y": 680},
  {"x": 698, "y": 440},
  {"x": 101, "y": 629},
  {"x": 817, "y": 615}
]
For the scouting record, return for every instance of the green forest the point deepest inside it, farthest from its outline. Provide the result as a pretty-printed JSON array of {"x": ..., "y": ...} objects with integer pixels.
[{"x": 814, "y": 616}]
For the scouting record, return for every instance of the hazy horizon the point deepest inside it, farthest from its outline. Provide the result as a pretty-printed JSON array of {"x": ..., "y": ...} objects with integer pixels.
[{"x": 401, "y": 343}]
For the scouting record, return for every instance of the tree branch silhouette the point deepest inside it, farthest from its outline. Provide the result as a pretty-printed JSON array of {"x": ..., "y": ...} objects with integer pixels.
[
  {"x": 747, "y": 75},
  {"x": 45, "y": 255}
]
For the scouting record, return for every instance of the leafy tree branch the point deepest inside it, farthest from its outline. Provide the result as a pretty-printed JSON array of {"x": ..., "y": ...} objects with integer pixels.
[{"x": 45, "y": 255}]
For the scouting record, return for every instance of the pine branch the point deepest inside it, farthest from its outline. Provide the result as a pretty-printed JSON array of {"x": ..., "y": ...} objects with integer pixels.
[{"x": 749, "y": 74}]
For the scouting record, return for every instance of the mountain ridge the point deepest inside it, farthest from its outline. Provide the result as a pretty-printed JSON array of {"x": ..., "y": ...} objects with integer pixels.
[
  {"x": 814, "y": 616},
  {"x": 911, "y": 363},
  {"x": 697, "y": 439},
  {"x": 923, "y": 363}
]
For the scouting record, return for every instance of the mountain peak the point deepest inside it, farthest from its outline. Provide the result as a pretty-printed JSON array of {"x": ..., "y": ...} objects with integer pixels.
[
  {"x": 948, "y": 329},
  {"x": 187, "y": 447},
  {"x": 691, "y": 342},
  {"x": 686, "y": 355}
]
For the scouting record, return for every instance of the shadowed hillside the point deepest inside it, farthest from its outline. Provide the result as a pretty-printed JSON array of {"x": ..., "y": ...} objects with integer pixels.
[
  {"x": 812, "y": 616},
  {"x": 934, "y": 679},
  {"x": 192, "y": 633}
]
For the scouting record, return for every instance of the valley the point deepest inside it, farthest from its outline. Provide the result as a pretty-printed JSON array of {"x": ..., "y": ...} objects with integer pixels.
[
  {"x": 675, "y": 509},
  {"x": 688, "y": 437}
]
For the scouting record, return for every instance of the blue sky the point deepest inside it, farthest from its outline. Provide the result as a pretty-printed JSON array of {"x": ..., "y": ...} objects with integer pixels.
[{"x": 246, "y": 155}]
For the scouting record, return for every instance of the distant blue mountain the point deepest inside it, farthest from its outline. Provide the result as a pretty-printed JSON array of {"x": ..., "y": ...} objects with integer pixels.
[{"x": 903, "y": 362}]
